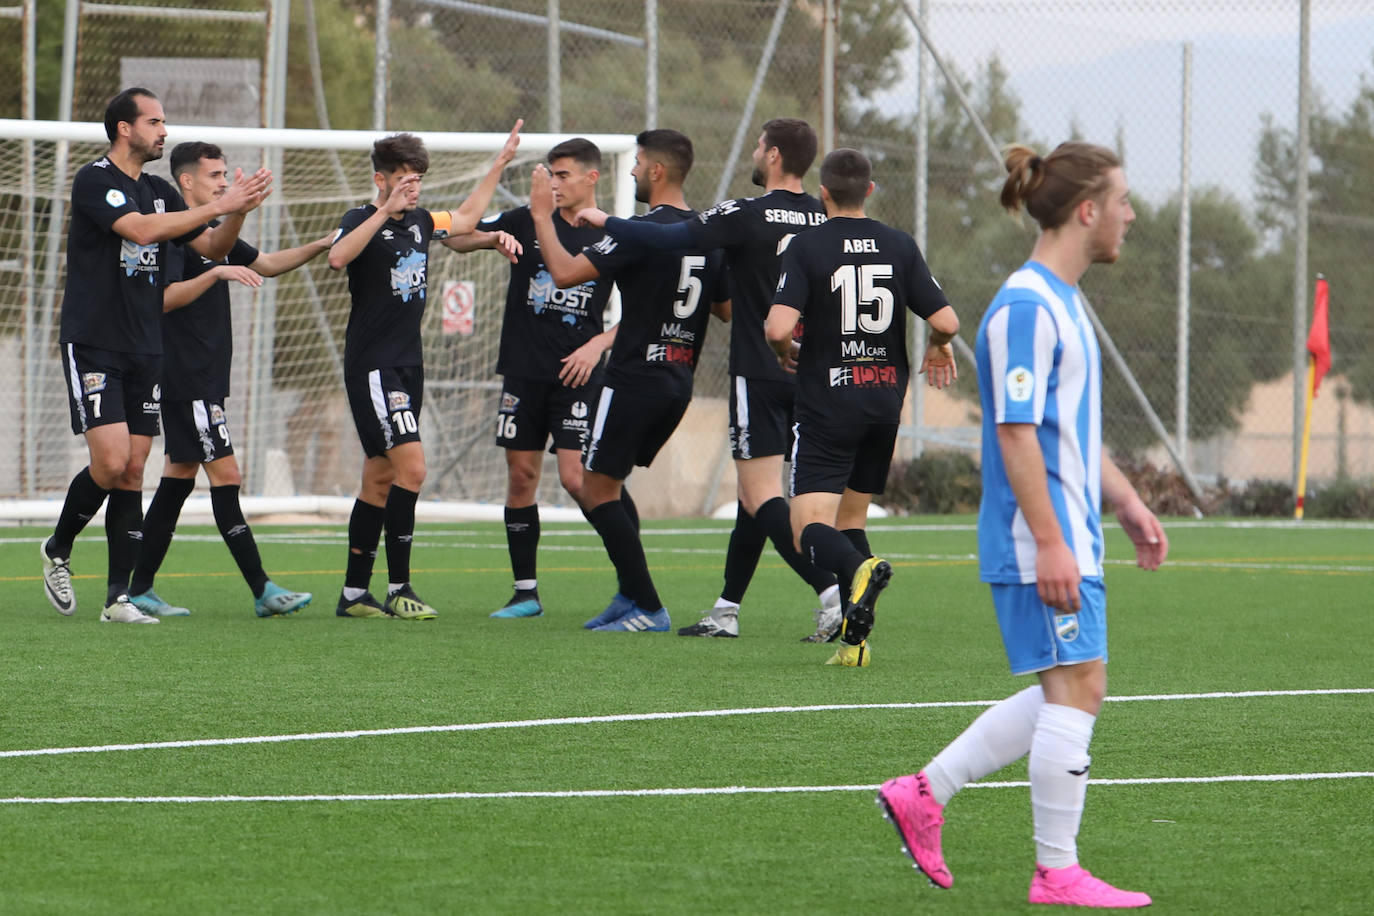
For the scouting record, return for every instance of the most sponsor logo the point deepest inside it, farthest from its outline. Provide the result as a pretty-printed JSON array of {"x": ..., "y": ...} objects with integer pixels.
[{"x": 408, "y": 276}]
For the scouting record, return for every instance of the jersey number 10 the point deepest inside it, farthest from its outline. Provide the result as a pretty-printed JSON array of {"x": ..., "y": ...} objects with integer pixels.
[{"x": 858, "y": 285}]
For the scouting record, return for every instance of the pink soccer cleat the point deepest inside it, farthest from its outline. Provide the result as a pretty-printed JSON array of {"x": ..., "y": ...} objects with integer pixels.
[
  {"x": 909, "y": 806},
  {"x": 1075, "y": 886}
]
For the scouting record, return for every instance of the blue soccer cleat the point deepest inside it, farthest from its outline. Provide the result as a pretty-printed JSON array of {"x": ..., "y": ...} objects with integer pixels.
[
  {"x": 638, "y": 620},
  {"x": 278, "y": 602},
  {"x": 619, "y": 607}
]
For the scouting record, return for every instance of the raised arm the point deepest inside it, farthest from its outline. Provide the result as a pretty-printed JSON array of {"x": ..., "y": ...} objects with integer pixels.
[
  {"x": 149, "y": 228},
  {"x": 470, "y": 211},
  {"x": 567, "y": 269},
  {"x": 655, "y": 236},
  {"x": 351, "y": 244},
  {"x": 276, "y": 263}
]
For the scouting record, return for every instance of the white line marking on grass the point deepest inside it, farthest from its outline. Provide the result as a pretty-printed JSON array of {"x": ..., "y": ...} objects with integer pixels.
[
  {"x": 632, "y": 717},
  {"x": 637, "y": 793}
]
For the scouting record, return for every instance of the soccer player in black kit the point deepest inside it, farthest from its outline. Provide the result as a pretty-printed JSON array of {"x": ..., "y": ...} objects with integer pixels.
[
  {"x": 111, "y": 337},
  {"x": 851, "y": 282},
  {"x": 385, "y": 246},
  {"x": 754, "y": 232},
  {"x": 552, "y": 341},
  {"x": 198, "y": 346},
  {"x": 667, "y": 298}
]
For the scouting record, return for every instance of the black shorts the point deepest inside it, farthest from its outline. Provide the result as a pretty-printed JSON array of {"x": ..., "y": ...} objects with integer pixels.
[
  {"x": 386, "y": 407},
  {"x": 104, "y": 387},
  {"x": 827, "y": 458},
  {"x": 531, "y": 411},
  {"x": 761, "y": 417},
  {"x": 195, "y": 431},
  {"x": 629, "y": 429}
]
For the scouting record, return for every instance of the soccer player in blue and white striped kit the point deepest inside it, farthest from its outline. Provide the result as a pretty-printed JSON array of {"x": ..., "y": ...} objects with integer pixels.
[{"x": 1040, "y": 526}]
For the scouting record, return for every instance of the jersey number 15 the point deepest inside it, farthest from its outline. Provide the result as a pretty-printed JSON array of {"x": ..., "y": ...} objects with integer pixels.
[{"x": 858, "y": 285}]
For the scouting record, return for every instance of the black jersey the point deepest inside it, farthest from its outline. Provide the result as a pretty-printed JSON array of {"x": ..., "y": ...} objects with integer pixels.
[
  {"x": 665, "y": 307},
  {"x": 754, "y": 232},
  {"x": 543, "y": 323},
  {"x": 198, "y": 338},
  {"x": 113, "y": 297},
  {"x": 854, "y": 280},
  {"x": 386, "y": 282}
]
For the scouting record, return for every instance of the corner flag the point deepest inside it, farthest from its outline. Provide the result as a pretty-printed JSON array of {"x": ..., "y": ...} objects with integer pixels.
[
  {"x": 1319, "y": 338},
  {"x": 1318, "y": 362}
]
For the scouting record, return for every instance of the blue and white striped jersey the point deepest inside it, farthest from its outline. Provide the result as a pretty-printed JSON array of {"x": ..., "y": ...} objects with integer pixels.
[{"x": 1039, "y": 362}]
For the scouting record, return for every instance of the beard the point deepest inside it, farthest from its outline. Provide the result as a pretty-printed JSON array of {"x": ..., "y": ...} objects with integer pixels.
[
  {"x": 758, "y": 177},
  {"x": 642, "y": 191},
  {"x": 148, "y": 153}
]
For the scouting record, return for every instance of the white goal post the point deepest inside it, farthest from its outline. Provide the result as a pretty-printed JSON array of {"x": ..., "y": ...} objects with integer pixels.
[{"x": 293, "y": 433}]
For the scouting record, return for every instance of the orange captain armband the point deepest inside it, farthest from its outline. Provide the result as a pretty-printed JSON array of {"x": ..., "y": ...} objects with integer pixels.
[{"x": 443, "y": 224}]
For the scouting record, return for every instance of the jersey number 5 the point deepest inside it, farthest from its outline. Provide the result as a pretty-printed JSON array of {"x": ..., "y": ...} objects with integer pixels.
[
  {"x": 858, "y": 285},
  {"x": 689, "y": 284}
]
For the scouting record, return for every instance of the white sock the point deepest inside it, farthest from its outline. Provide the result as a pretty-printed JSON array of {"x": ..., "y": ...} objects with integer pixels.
[
  {"x": 830, "y": 597},
  {"x": 393, "y": 587},
  {"x": 1059, "y": 782},
  {"x": 353, "y": 594},
  {"x": 1000, "y": 736},
  {"x": 723, "y": 605},
  {"x": 525, "y": 585}
]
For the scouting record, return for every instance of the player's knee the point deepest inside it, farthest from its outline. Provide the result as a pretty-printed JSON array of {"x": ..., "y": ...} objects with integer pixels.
[
  {"x": 572, "y": 483},
  {"x": 412, "y": 477}
]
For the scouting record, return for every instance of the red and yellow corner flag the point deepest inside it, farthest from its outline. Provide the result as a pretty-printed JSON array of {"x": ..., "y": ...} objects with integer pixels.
[
  {"x": 1318, "y": 362},
  {"x": 1319, "y": 338}
]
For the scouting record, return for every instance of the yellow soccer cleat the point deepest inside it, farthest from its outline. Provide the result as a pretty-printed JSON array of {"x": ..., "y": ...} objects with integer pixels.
[{"x": 851, "y": 656}]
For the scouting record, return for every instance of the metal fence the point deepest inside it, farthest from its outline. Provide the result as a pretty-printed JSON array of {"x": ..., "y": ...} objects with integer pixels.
[{"x": 1207, "y": 306}]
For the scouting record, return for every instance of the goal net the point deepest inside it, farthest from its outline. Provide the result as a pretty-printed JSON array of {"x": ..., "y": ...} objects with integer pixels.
[{"x": 292, "y": 429}]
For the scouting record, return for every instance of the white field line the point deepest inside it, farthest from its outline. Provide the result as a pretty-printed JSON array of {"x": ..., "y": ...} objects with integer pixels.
[
  {"x": 630, "y": 717},
  {"x": 640, "y": 793}
]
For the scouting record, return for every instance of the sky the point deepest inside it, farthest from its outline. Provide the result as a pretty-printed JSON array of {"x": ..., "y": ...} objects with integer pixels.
[{"x": 1115, "y": 68}]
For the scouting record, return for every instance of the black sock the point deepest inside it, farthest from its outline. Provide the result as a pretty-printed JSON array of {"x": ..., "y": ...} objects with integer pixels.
[
  {"x": 522, "y": 538},
  {"x": 123, "y": 532},
  {"x": 742, "y": 556},
  {"x": 630, "y": 508},
  {"x": 859, "y": 538},
  {"x": 364, "y": 530},
  {"x": 224, "y": 502},
  {"x": 829, "y": 549},
  {"x": 84, "y": 499},
  {"x": 159, "y": 524},
  {"x": 612, "y": 522},
  {"x": 775, "y": 518},
  {"x": 400, "y": 532}
]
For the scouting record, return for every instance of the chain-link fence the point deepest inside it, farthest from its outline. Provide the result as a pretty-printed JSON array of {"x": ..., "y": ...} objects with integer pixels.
[{"x": 1205, "y": 92}]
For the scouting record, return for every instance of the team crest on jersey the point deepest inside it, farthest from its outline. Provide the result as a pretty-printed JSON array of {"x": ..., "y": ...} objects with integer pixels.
[
  {"x": 91, "y": 382},
  {"x": 1020, "y": 383},
  {"x": 605, "y": 246},
  {"x": 159, "y": 206},
  {"x": 115, "y": 197},
  {"x": 782, "y": 280},
  {"x": 508, "y": 402},
  {"x": 397, "y": 400},
  {"x": 415, "y": 234},
  {"x": 1066, "y": 626}
]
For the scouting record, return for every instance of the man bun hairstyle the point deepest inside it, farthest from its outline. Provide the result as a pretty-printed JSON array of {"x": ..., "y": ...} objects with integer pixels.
[
  {"x": 186, "y": 156},
  {"x": 581, "y": 150},
  {"x": 669, "y": 148},
  {"x": 796, "y": 142},
  {"x": 398, "y": 150},
  {"x": 1050, "y": 187},
  {"x": 845, "y": 175},
  {"x": 124, "y": 107}
]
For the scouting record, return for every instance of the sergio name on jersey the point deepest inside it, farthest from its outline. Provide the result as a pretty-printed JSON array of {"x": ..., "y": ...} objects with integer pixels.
[
  {"x": 113, "y": 296},
  {"x": 543, "y": 323},
  {"x": 854, "y": 280},
  {"x": 198, "y": 338},
  {"x": 387, "y": 284},
  {"x": 666, "y": 301},
  {"x": 754, "y": 232}
]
